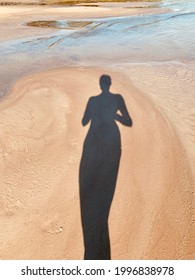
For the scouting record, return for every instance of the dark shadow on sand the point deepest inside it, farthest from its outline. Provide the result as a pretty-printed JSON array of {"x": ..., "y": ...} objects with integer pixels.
[{"x": 99, "y": 167}]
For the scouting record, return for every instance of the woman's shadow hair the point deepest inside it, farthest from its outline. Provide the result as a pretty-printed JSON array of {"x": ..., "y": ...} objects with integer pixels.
[{"x": 99, "y": 167}]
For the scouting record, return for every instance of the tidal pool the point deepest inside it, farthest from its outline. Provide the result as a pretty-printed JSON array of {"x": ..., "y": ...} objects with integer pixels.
[{"x": 60, "y": 24}]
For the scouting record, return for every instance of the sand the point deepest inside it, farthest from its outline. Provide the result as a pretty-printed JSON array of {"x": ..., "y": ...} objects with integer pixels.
[
  {"x": 41, "y": 143},
  {"x": 14, "y": 18}
]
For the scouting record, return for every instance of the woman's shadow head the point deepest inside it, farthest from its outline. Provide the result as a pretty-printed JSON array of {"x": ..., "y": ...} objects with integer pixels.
[{"x": 105, "y": 83}]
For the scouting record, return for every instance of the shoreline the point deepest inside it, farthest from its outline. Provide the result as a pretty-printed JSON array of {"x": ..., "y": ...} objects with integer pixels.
[{"x": 16, "y": 28}]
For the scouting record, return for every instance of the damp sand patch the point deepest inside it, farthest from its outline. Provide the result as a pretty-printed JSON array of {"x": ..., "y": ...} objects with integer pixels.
[
  {"x": 62, "y": 2},
  {"x": 87, "y": 5},
  {"x": 60, "y": 24},
  {"x": 143, "y": 7},
  {"x": 21, "y": 3}
]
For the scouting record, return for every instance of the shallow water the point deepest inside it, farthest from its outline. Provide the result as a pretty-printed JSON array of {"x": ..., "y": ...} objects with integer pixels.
[
  {"x": 60, "y": 24},
  {"x": 130, "y": 39}
]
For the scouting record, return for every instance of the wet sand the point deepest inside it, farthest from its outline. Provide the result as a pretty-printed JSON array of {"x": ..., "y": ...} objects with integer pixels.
[
  {"x": 14, "y": 18},
  {"x": 41, "y": 136}
]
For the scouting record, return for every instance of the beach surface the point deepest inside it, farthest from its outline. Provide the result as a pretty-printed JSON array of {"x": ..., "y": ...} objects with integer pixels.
[{"x": 42, "y": 137}]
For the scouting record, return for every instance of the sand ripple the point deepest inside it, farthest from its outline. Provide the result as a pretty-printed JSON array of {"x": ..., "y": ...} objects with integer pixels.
[{"x": 41, "y": 146}]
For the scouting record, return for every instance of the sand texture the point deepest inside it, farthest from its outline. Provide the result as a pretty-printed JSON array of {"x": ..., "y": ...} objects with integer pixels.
[{"x": 41, "y": 146}]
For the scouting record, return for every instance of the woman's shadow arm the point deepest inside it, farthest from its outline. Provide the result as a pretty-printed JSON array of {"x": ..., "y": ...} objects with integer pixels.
[
  {"x": 124, "y": 118},
  {"x": 88, "y": 113}
]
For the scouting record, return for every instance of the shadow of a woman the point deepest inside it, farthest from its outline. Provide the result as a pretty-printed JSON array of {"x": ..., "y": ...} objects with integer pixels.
[{"x": 99, "y": 167}]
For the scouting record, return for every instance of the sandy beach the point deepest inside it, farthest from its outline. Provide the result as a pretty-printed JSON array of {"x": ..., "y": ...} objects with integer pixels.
[{"x": 42, "y": 140}]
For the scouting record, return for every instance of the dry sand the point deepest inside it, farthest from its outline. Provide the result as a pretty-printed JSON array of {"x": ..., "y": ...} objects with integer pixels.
[{"x": 41, "y": 138}]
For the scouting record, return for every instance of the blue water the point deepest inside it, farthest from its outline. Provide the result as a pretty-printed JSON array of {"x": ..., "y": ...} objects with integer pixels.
[{"x": 162, "y": 37}]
